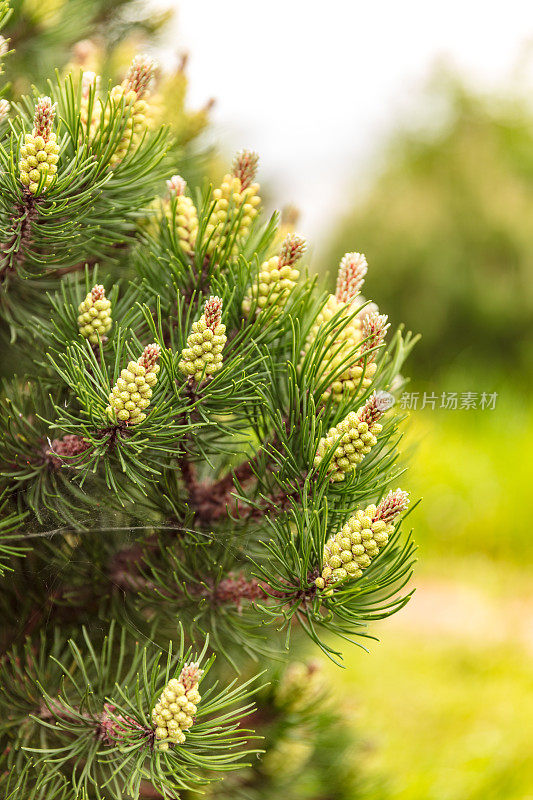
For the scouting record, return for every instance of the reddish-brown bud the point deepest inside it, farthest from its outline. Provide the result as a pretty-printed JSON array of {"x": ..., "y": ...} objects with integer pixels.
[
  {"x": 375, "y": 407},
  {"x": 394, "y": 504},
  {"x": 213, "y": 312},
  {"x": 150, "y": 356},
  {"x": 245, "y": 167},
  {"x": 44, "y": 116},
  {"x": 374, "y": 329},
  {"x": 190, "y": 675},
  {"x": 140, "y": 74},
  {"x": 351, "y": 276},
  {"x": 292, "y": 250}
]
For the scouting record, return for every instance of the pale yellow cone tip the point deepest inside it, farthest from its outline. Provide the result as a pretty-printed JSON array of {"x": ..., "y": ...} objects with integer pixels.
[
  {"x": 245, "y": 167},
  {"x": 351, "y": 276},
  {"x": 176, "y": 185},
  {"x": 140, "y": 74},
  {"x": 174, "y": 712}
]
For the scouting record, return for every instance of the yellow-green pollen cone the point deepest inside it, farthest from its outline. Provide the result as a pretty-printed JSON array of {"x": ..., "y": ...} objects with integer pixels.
[
  {"x": 173, "y": 714},
  {"x": 277, "y": 277},
  {"x": 94, "y": 319},
  {"x": 89, "y": 106},
  {"x": 130, "y": 396},
  {"x": 301, "y": 686},
  {"x": 133, "y": 90},
  {"x": 353, "y": 438},
  {"x": 185, "y": 214},
  {"x": 202, "y": 357},
  {"x": 342, "y": 343},
  {"x": 40, "y": 152},
  {"x": 236, "y": 203},
  {"x": 358, "y": 377},
  {"x": 360, "y": 540}
]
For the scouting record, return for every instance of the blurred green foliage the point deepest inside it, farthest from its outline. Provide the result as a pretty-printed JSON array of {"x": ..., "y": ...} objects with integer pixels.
[
  {"x": 450, "y": 718},
  {"x": 446, "y": 227},
  {"x": 44, "y": 32},
  {"x": 473, "y": 471}
]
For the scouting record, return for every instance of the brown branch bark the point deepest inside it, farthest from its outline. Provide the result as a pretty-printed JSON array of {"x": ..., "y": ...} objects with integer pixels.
[{"x": 22, "y": 219}]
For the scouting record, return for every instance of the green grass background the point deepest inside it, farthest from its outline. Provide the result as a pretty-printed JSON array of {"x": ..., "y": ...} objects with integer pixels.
[{"x": 446, "y": 697}]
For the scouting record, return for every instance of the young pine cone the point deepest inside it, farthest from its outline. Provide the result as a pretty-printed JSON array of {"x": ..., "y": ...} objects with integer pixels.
[
  {"x": 277, "y": 277},
  {"x": 133, "y": 90},
  {"x": 360, "y": 540},
  {"x": 40, "y": 152},
  {"x": 131, "y": 394},
  {"x": 94, "y": 319},
  {"x": 342, "y": 344},
  {"x": 186, "y": 216},
  {"x": 236, "y": 204},
  {"x": 357, "y": 376},
  {"x": 354, "y": 437},
  {"x": 203, "y": 355},
  {"x": 173, "y": 714}
]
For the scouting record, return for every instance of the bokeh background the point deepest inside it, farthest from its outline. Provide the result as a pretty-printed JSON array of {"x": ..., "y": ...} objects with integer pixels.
[{"x": 405, "y": 131}]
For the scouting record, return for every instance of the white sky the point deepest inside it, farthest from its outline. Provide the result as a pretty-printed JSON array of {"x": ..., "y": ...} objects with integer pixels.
[{"x": 315, "y": 86}]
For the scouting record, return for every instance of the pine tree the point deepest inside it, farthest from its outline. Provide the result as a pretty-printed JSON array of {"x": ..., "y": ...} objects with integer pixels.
[{"x": 198, "y": 443}]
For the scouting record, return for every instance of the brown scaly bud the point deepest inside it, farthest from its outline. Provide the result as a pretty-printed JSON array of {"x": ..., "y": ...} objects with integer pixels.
[
  {"x": 291, "y": 251},
  {"x": 351, "y": 276},
  {"x": 374, "y": 330},
  {"x": 190, "y": 676},
  {"x": 150, "y": 356},
  {"x": 235, "y": 589},
  {"x": 375, "y": 407},
  {"x": 394, "y": 504},
  {"x": 213, "y": 312},
  {"x": 45, "y": 112},
  {"x": 245, "y": 167},
  {"x": 114, "y": 727},
  {"x": 140, "y": 74},
  {"x": 63, "y": 451}
]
